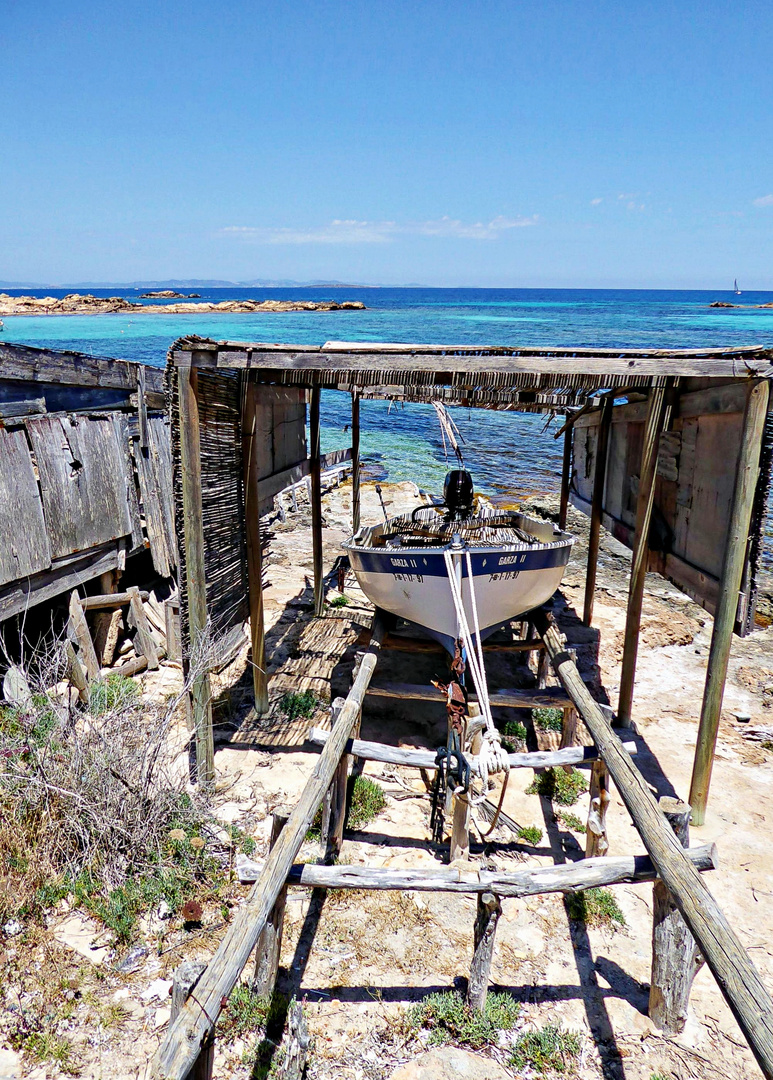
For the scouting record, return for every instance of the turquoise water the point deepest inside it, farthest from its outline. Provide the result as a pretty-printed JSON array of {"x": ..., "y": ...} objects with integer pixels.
[{"x": 508, "y": 453}]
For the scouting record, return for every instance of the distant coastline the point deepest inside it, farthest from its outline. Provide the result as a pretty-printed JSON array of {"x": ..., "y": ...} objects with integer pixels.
[{"x": 86, "y": 304}]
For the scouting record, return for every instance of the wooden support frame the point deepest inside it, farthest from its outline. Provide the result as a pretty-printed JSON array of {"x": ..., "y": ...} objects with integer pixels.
[
  {"x": 599, "y": 479},
  {"x": 334, "y": 806},
  {"x": 755, "y": 415},
  {"x": 184, "y": 982},
  {"x": 253, "y": 543},
  {"x": 315, "y": 496},
  {"x": 657, "y": 420},
  {"x": 489, "y": 910},
  {"x": 355, "y": 462},
  {"x": 736, "y": 976},
  {"x": 200, "y": 696}
]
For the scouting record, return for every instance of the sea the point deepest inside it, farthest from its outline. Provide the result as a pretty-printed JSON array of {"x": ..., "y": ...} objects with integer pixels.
[{"x": 511, "y": 455}]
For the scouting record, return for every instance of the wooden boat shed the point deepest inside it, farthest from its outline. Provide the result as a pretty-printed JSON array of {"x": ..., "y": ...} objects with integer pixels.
[{"x": 669, "y": 449}]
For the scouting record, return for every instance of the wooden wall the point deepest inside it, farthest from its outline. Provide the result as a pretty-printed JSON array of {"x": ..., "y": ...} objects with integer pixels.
[
  {"x": 697, "y": 465},
  {"x": 79, "y": 489}
]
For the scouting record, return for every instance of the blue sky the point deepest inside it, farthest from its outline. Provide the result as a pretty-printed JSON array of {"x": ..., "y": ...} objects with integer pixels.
[{"x": 444, "y": 142}]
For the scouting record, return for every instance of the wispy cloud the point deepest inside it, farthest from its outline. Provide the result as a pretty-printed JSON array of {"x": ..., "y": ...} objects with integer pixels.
[
  {"x": 596, "y": 202},
  {"x": 764, "y": 200},
  {"x": 351, "y": 231}
]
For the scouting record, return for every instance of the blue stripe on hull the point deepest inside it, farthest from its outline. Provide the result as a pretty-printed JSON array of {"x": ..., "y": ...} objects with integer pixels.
[{"x": 432, "y": 564}]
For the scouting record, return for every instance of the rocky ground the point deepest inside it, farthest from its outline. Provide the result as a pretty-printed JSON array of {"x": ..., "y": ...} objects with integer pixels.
[
  {"x": 361, "y": 961},
  {"x": 85, "y": 304}
]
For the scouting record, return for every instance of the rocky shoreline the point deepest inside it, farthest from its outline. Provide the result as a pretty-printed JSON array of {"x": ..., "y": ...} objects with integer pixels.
[
  {"x": 726, "y": 303},
  {"x": 86, "y": 304}
]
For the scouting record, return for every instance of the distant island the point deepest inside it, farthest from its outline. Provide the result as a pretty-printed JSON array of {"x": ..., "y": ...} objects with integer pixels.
[{"x": 78, "y": 304}]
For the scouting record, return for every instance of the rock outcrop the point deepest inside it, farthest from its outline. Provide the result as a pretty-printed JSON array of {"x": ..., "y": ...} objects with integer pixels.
[{"x": 79, "y": 304}]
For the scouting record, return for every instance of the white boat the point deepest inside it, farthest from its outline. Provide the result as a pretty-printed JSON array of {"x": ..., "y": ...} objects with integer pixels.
[
  {"x": 736, "y": 290},
  {"x": 403, "y": 565}
]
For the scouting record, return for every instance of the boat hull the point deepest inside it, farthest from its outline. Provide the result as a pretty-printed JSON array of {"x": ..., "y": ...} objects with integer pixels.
[{"x": 413, "y": 584}]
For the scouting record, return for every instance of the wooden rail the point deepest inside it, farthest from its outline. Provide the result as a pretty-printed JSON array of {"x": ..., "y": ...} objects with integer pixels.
[
  {"x": 193, "y": 1026},
  {"x": 736, "y": 976}
]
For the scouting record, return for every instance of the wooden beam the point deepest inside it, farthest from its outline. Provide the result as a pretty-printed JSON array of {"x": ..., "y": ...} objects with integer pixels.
[
  {"x": 185, "y": 1037},
  {"x": 425, "y": 759},
  {"x": 594, "y": 539},
  {"x": 658, "y": 415},
  {"x": 269, "y": 947},
  {"x": 509, "y": 699},
  {"x": 565, "y": 877},
  {"x": 251, "y": 469},
  {"x": 143, "y": 639},
  {"x": 196, "y": 590},
  {"x": 730, "y": 586},
  {"x": 78, "y": 630},
  {"x": 142, "y": 407},
  {"x": 110, "y": 600},
  {"x": 489, "y": 910},
  {"x": 736, "y": 976},
  {"x": 316, "y": 501},
  {"x": 566, "y": 477},
  {"x": 355, "y": 462}
]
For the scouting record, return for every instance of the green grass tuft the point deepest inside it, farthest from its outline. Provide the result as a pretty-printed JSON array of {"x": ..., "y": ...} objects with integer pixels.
[
  {"x": 548, "y": 719},
  {"x": 551, "y": 1049},
  {"x": 513, "y": 736},
  {"x": 560, "y": 786},
  {"x": 295, "y": 705},
  {"x": 530, "y": 833},
  {"x": 114, "y": 692},
  {"x": 571, "y": 821},
  {"x": 340, "y": 601},
  {"x": 449, "y": 1019},
  {"x": 366, "y": 801},
  {"x": 595, "y": 907}
]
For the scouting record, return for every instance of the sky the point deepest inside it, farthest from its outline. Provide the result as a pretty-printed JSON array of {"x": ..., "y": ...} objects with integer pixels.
[{"x": 443, "y": 142}]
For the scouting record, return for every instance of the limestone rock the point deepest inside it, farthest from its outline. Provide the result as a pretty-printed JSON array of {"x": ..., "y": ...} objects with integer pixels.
[{"x": 450, "y": 1061}]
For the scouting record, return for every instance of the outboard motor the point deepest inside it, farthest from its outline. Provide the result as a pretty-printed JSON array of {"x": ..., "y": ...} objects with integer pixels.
[{"x": 458, "y": 495}]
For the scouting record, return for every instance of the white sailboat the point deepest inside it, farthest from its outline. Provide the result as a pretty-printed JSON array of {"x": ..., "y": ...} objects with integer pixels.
[{"x": 736, "y": 290}]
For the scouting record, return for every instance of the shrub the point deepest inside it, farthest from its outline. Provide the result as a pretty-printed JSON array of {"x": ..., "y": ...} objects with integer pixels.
[
  {"x": 449, "y": 1019},
  {"x": 551, "y": 1049},
  {"x": 298, "y": 704},
  {"x": 513, "y": 736},
  {"x": 530, "y": 833},
  {"x": 595, "y": 907},
  {"x": 571, "y": 821},
  {"x": 548, "y": 719},
  {"x": 367, "y": 801},
  {"x": 114, "y": 692},
  {"x": 562, "y": 787},
  {"x": 340, "y": 601}
]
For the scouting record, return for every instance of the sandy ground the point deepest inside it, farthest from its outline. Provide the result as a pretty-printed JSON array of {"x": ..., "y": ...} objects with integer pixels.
[{"x": 360, "y": 959}]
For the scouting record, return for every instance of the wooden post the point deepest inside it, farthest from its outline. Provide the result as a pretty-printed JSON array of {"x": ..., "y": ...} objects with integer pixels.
[
  {"x": 675, "y": 956},
  {"x": 316, "y": 501},
  {"x": 269, "y": 947},
  {"x": 596, "y": 842},
  {"x": 489, "y": 910},
  {"x": 355, "y": 462},
  {"x": 599, "y": 477},
  {"x": 296, "y": 1045},
  {"x": 334, "y": 806},
  {"x": 78, "y": 631},
  {"x": 658, "y": 415},
  {"x": 76, "y": 673},
  {"x": 183, "y": 983},
  {"x": 566, "y": 477},
  {"x": 193, "y": 529},
  {"x": 172, "y": 624},
  {"x": 736, "y": 976},
  {"x": 254, "y": 554},
  {"x": 142, "y": 408},
  {"x": 729, "y": 587},
  {"x": 144, "y": 644}
]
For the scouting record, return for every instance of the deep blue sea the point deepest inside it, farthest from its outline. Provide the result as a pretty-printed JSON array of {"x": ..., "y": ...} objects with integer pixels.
[{"x": 508, "y": 453}]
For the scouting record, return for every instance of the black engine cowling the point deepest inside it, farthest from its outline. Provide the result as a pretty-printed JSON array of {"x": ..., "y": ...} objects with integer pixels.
[{"x": 458, "y": 495}]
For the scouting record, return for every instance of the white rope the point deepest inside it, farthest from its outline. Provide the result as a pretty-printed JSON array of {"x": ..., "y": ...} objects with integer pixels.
[{"x": 493, "y": 757}]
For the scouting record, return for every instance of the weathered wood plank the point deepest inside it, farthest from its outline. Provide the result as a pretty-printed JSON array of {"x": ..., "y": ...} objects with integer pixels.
[
  {"x": 316, "y": 501},
  {"x": 9, "y": 409},
  {"x": 511, "y": 699},
  {"x": 154, "y": 470},
  {"x": 29, "y": 364},
  {"x": 80, "y": 466},
  {"x": 251, "y": 447},
  {"x": 65, "y": 574},
  {"x": 565, "y": 877},
  {"x": 78, "y": 630},
  {"x": 23, "y": 551},
  {"x": 425, "y": 759}
]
